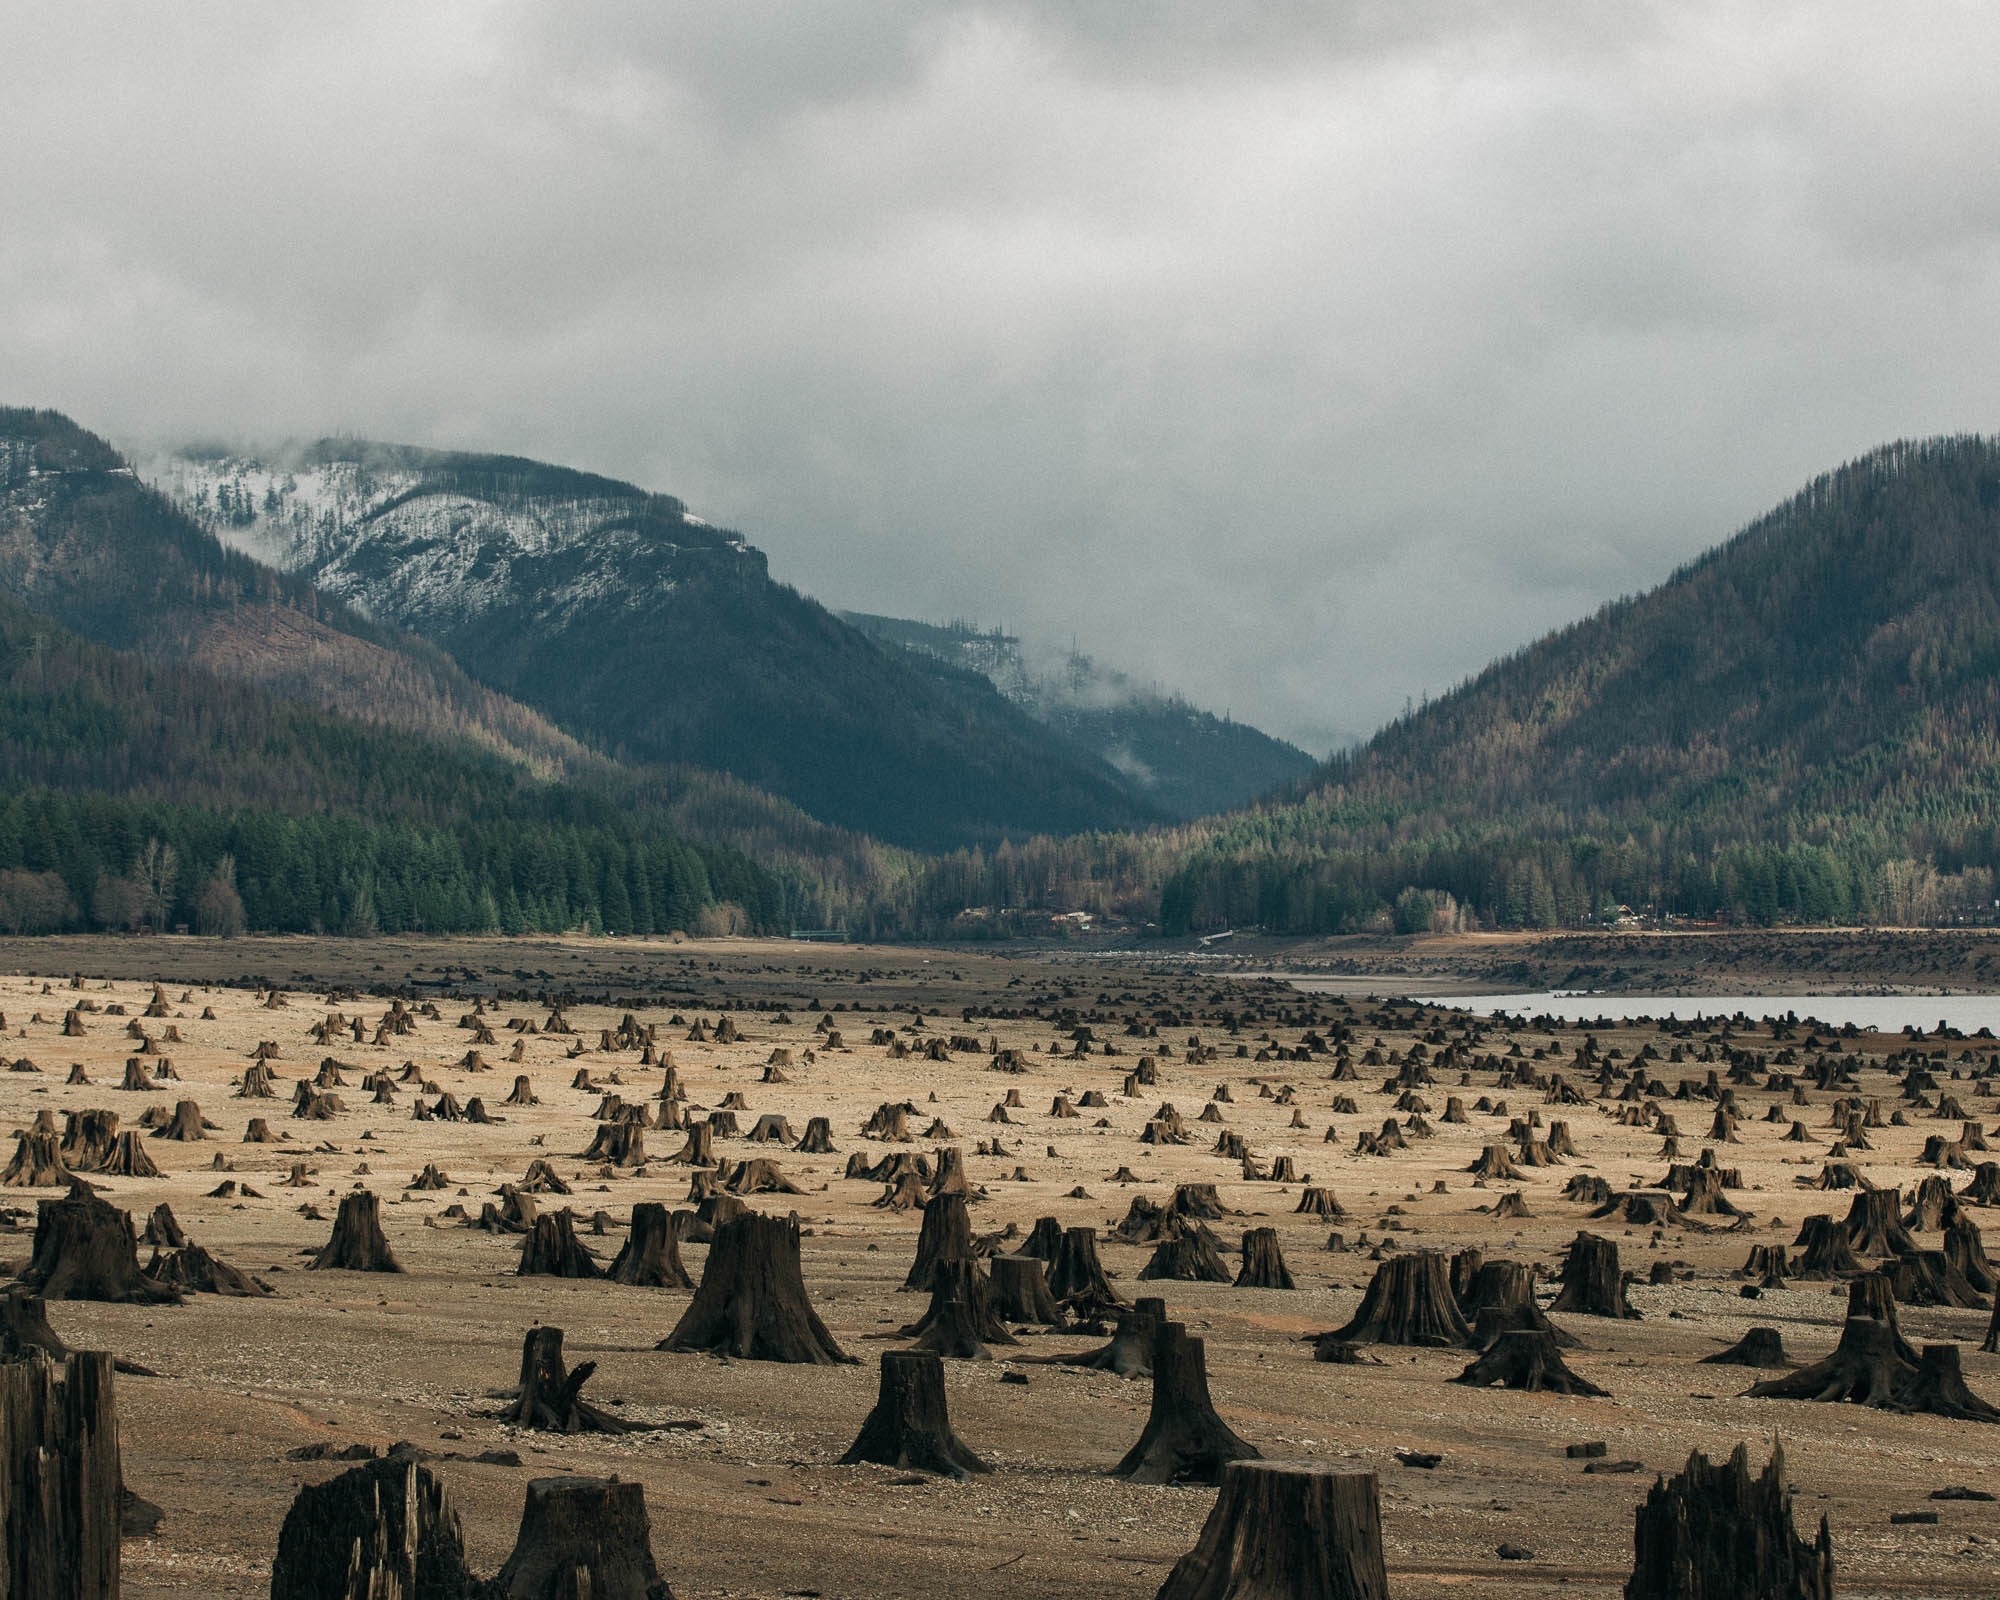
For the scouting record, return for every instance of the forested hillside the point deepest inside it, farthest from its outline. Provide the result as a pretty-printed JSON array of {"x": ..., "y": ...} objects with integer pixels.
[{"x": 654, "y": 636}]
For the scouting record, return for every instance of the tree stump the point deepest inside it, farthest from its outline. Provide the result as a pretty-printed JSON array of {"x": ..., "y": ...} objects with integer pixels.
[
  {"x": 37, "y": 1163},
  {"x": 382, "y": 1529},
  {"x": 1500, "y": 1298},
  {"x": 549, "y": 1395},
  {"x": 1592, "y": 1284},
  {"x": 24, "y": 1328},
  {"x": 1525, "y": 1358},
  {"x": 1865, "y": 1368},
  {"x": 85, "y": 1250},
  {"x": 699, "y": 1151},
  {"x": 186, "y": 1125},
  {"x": 1874, "y": 1225},
  {"x": 946, "y": 1235},
  {"x": 1408, "y": 1302},
  {"x": 1715, "y": 1533},
  {"x": 127, "y": 1158},
  {"x": 193, "y": 1269},
  {"x": 1937, "y": 1388},
  {"x": 651, "y": 1258},
  {"x": 1966, "y": 1251},
  {"x": 1043, "y": 1240},
  {"x": 752, "y": 1302},
  {"x": 1283, "y": 1530},
  {"x": 1928, "y": 1278},
  {"x": 960, "y": 1321},
  {"x": 1319, "y": 1203},
  {"x": 818, "y": 1138},
  {"x": 552, "y": 1249},
  {"x": 1824, "y": 1252},
  {"x": 1184, "y": 1440},
  {"x": 1767, "y": 1266},
  {"x": 1077, "y": 1279},
  {"x": 582, "y": 1539},
  {"x": 1186, "y": 1252},
  {"x": 1263, "y": 1262},
  {"x": 60, "y": 1480},
  {"x": 358, "y": 1243},
  {"x": 1760, "y": 1347},
  {"x": 909, "y": 1427},
  {"x": 1130, "y": 1352},
  {"x": 1019, "y": 1288}
]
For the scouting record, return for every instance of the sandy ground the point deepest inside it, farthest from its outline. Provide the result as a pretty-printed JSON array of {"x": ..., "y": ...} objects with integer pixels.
[{"x": 749, "y": 1502}]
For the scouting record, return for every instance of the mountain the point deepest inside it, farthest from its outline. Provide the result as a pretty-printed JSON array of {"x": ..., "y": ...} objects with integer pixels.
[
  {"x": 1188, "y": 763},
  {"x": 160, "y": 692},
  {"x": 1803, "y": 724},
  {"x": 642, "y": 629}
]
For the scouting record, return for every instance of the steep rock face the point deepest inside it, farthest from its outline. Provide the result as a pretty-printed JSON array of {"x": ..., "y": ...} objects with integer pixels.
[{"x": 644, "y": 629}]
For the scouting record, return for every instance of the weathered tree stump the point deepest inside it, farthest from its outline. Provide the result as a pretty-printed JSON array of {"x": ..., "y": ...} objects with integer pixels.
[
  {"x": 358, "y": 1243},
  {"x": 1966, "y": 1251},
  {"x": 1043, "y": 1240},
  {"x": 1408, "y": 1302},
  {"x": 193, "y": 1270},
  {"x": 699, "y": 1151},
  {"x": 549, "y": 1397},
  {"x": 960, "y": 1321},
  {"x": 1186, "y": 1252},
  {"x": 1874, "y": 1225},
  {"x": 818, "y": 1138},
  {"x": 1865, "y": 1368},
  {"x": 1592, "y": 1284},
  {"x": 1500, "y": 1298},
  {"x": 752, "y": 1302},
  {"x": 1319, "y": 1203},
  {"x": 1928, "y": 1278},
  {"x": 1184, "y": 1440},
  {"x": 1937, "y": 1388},
  {"x": 622, "y": 1144},
  {"x": 128, "y": 1158},
  {"x": 909, "y": 1426},
  {"x": 1525, "y": 1358},
  {"x": 85, "y": 1249},
  {"x": 1715, "y": 1533},
  {"x": 1077, "y": 1279},
  {"x": 24, "y": 1328},
  {"x": 1767, "y": 1266},
  {"x": 1824, "y": 1251},
  {"x": 1130, "y": 1352},
  {"x": 946, "y": 1235},
  {"x": 1760, "y": 1347},
  {"x": 37, "y": 1163},
  {"x": 651, "y": 1257},
  {"x": 552, "y": 1249},
  {"x": 582, "y": 1539},
  {"x": 59, "y": 1478},
  {"x": 1263, "y": 1262},
  {"x": 1019, "y": 1287},
  {"x": 186, "y": 1125},
  {"x": 1283, "y": 1530}
]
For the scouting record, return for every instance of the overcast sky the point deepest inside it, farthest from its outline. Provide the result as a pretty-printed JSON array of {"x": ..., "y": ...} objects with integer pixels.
[{"x": 1300, "y": 356}]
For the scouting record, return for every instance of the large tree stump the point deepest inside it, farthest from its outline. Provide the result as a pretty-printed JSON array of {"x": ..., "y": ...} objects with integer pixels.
[
  {"x": 818, "y": 1138},
  {"x": 1019, "y": 1287},
  {"x": 1824, "y": 1252},
  {"x": 1966, "y": 1250},
  {"x": 193, "y": 1270},
  {"x": 1874, "y": 1225},
  {"x": 37, "y": 1163},
  {"x": 752, "y": 1302},
  {"x": 549, "y": 1396},
  {"x": 186, "y": 1125},
  {"x": 60, "y": 1481},
  {"x": 946, "y": 1235},
  {"x": 552, "y": 1249},
  {"x": 1525, "y": 1358},
  {"x": 1715, "y": 1533},
  {"x": 358, "y": 1243},
  {"x": 1408, "y": 1302},
  {"x": 1937, "y": 1388},
  {"x": 384, "y": 1530},
  {"x": 1865, "y": 1368},
  {"x": 1184, "y": 1440},
  {"x": 960, "y": 1321},
  {"x": 127, "y": 1158},
  {"x": 1592, "y": 1285},
  {"x": 24, "y": 1328},
  {"x": 1928, "y": 1278},
  {"x": 1077, "y": 1279},
  {"x": 909, "y": 1427},
  {"x": 1263, "y": 1262},
  {"x": 85, "y": 1249},
  {"x": 1500, "y": 1298},
  {"x": 1130, "y": 1352},
  {"x": 651, "y": 1258},
  {"x": 88, "y": 1137},
  {"x": 582, "y": 1539},
  {"x": 1284, "y": 1530},
  {"x": 1043, "y": 1240},
  {"x": 1186, "y": 1252}
]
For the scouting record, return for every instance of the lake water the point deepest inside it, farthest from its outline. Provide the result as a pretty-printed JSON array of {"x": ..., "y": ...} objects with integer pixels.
[{"x": 1880, "y": 1013}]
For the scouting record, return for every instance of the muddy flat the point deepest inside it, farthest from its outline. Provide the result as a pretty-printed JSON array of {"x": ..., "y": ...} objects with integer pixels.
[{"x": 744, "y": 1492}]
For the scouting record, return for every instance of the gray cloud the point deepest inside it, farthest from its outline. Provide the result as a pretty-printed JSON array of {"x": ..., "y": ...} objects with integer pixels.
[{"x": 1300, "y": 357}]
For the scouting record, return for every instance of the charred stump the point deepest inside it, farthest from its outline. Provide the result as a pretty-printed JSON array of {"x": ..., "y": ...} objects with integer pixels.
[
  {"x": 384, "y": 1528},
  {"x": 1592, "y": 1284},
  {"x": 752, "y": 1302},
  {"x": 1184, "y": 1441},
  {"x": 909, "y": 1427},
  {"x": 1715, "y": 1533},
  {"x": 358, "y": 1243},
  {"x": 582, "y": 1539},
  {"x": 651, "y": 1257}
]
